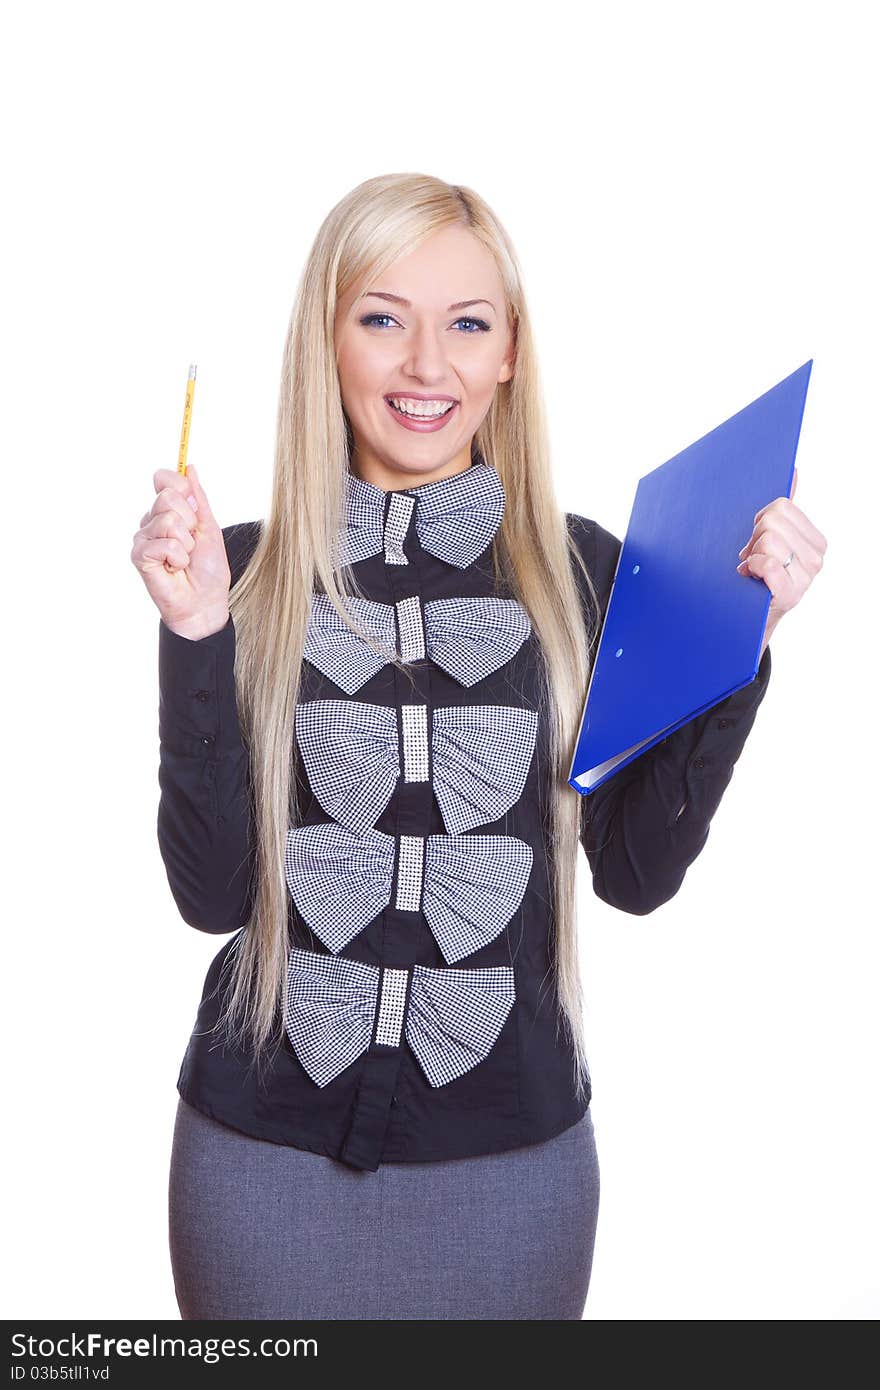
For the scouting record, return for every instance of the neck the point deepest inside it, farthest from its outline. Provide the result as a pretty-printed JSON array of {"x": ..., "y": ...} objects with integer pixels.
[{"x": 391, "y": 477}]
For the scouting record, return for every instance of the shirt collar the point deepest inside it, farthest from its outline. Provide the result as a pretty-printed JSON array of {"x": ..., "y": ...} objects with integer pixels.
[{"x": 455, "y": 517}]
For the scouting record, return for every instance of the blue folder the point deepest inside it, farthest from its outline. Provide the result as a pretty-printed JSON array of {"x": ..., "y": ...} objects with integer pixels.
[{"x": 683, "y": 629}]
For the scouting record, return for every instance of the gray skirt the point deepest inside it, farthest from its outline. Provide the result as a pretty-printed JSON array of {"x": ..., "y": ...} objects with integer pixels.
[{"x": 263, "y": 1230}]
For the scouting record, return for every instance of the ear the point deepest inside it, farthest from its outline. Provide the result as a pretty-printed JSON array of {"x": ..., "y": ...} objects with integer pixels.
[{"x": 507, "y": 366}]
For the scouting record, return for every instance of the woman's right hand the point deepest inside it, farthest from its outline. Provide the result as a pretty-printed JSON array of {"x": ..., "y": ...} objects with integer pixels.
[{"x": 180, "y": 554}]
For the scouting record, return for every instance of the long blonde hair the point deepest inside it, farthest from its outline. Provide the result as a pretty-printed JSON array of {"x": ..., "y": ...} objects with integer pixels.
[{"x": 379, "y": 221}]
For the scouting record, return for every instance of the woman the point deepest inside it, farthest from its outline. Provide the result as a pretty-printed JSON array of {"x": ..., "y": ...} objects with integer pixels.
[{"x": 368, "y": 709}]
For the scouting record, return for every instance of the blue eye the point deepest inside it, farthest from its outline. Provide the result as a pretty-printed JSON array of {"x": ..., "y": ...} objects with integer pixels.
[
  {"x": 370, "y": 319},
  {"x": 481, "y": 324}
]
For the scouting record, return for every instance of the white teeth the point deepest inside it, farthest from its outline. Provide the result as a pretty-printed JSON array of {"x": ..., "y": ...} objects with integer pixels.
[{"x": 425, "y": 409}]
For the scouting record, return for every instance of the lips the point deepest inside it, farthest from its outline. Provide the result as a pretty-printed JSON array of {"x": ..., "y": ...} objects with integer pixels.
[{"x": 422, "y": 424}]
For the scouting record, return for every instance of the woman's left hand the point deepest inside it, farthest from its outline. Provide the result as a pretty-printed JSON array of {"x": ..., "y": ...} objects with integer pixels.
[{"x": 780, "y": 529}]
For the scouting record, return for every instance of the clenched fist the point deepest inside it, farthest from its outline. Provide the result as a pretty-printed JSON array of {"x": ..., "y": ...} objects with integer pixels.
[{"x": 180, "y": 554}]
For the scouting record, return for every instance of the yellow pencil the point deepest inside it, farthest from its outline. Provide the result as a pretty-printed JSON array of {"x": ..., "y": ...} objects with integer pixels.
[{"x": 187, "y": 412}]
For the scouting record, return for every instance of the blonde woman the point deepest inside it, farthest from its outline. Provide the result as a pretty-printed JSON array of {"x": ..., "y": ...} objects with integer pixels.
[{"x": 368, "y": 704}]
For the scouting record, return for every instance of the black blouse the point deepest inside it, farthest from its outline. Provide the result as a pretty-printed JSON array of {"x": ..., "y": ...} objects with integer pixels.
[{"x": 419, "y": 1008}]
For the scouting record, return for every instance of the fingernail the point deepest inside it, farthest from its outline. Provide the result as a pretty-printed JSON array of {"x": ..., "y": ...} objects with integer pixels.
[
  {"x": 743, "y": 551},
  {"x": 193, "y": 503}
]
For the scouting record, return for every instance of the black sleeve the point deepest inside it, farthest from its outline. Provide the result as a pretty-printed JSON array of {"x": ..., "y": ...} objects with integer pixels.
[
  {"x": 204, "y": 820},
  {"x": 645, "y": 826}
]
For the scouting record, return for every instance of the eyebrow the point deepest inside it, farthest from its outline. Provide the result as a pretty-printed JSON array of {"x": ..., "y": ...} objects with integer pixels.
[{"x": 398, "y": 299}]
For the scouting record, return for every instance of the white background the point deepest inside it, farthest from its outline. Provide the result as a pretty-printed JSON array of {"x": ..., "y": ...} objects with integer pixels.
[{"x": 689, "y": 187}]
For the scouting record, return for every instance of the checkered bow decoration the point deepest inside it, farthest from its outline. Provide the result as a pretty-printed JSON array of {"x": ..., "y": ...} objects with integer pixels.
[
  {"x": 480, "y": 758},
  {"x": 467, "y": 886},
  {"x": 456, "y": 517},
  {"x": 468, "y": 638},
  {"x": 450, "y": 1018}
]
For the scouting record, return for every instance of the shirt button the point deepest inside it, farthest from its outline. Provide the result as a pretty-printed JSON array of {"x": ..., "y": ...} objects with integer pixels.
[
  {"x": 208, "y": 739},
  {"x": 723, "y": 723},
  {"x": 699, "y": 762},
  {"x": 203, "y": 695}
]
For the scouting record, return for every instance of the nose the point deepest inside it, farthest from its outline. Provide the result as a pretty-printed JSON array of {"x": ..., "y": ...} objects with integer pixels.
[{"x": 427, "y": 358}]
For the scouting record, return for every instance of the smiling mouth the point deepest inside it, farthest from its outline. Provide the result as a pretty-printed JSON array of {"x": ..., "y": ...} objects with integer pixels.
[{"x": 420, "y": 410}]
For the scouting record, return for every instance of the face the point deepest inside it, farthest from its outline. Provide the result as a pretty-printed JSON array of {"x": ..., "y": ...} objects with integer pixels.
[{"x": 431, "y": 332}]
